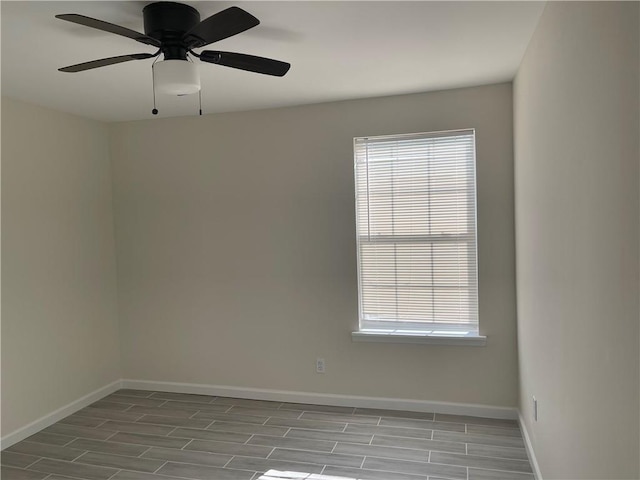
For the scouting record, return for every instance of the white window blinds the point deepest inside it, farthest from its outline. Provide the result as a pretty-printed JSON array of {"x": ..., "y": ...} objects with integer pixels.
[{"x": 416, "y": 232}]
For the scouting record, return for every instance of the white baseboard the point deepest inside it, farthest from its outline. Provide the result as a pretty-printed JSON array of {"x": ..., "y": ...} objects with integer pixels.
[
  {"x": 529, "y": 446},
  {"x": 327, "y": 399},
  {"x": 59, "y": 414},
  {"x": 272, "y": 395}
]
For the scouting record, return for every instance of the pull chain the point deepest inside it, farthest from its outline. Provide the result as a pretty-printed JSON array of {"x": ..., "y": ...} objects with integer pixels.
[
  {"x": 153, "y": 84},
  {"x": 200, "y": 100}
]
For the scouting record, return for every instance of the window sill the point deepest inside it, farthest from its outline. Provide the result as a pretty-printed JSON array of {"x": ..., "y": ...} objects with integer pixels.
[{"x": 477, "y": 341}]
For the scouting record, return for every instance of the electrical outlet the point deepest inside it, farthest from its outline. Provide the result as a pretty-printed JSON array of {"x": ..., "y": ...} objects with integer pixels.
[
  {"x": 319, "y": 365},
  {"x": 535, "y": 409}
]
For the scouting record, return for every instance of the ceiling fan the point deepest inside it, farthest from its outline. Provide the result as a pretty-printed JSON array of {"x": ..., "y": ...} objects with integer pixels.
[{"x": 176, "y": 30}]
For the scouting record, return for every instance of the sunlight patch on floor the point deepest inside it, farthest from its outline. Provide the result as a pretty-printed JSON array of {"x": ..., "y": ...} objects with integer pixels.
[{"x": 277, "y": 475}]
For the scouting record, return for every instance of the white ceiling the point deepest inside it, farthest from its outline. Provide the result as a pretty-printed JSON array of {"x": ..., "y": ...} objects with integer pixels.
[{"x": 338, "y": 50}]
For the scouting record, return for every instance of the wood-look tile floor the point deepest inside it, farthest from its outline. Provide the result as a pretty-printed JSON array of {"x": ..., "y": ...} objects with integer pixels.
[{"x": 142, "y": 435}]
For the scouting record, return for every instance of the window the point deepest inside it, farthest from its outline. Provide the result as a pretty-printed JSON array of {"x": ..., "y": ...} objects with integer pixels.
[{"x": 416, "y": 234}]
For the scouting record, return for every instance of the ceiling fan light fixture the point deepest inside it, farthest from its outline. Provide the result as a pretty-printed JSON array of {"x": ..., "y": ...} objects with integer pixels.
[{"x": 176, "y": 77}]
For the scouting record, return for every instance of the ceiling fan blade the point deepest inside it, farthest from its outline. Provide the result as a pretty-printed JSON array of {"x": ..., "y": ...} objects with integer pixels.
[
  {"x": 103, "y": 62},
  {"x": 219, "y": 26},
  {"x": 109, "y": 27},
  {"x": 246, "y": 62}
]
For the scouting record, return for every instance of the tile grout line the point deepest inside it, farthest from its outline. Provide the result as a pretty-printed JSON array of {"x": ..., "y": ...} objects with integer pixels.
[
  {"x": 140, "y": 456},
  {"x": 312, "y": 429},
  {"x": 79, "y": 456},
  {"x": 185, "y": 445},
  {"x": 391, "y": 447},
  {"x": 157, "y": 469},
  {"x": 117, "y": 472},
  {"x": 501, "y": 471},
  {"x": 33, "y": 463},
  {"x": 381, "y": 458},
  {"x": 391, "y": 457},
  {"x": 207, "y": 427},
  {"x": 73, "y": 439}
]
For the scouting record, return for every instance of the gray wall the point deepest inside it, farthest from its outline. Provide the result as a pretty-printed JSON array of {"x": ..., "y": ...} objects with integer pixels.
[
  {"x": 576, "y": 155},
  {"x": 236, "y": 250},
  {"x": 59, "y": 311}
]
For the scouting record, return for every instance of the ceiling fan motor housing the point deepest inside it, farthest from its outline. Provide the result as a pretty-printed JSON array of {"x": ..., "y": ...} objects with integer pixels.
[{"x": 168, "y": 22}]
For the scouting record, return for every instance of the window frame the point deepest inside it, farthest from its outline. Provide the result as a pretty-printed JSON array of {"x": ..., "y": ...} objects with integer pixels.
[{"x": 393, "y": 331}]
